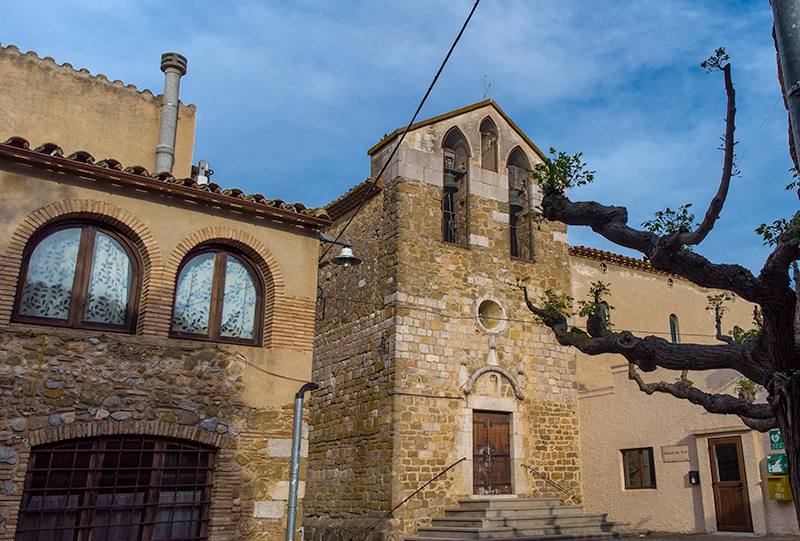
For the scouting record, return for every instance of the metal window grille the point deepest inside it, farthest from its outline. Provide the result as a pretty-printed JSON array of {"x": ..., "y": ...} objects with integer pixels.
[
  {"x": 119, "y": 488},
  {"x": 520, "y": 225}
]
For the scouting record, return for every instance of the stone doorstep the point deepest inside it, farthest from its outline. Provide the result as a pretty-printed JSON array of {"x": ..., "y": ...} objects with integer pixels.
[
  {"x": 522, "y": 523},
  {"x": 508, "y": 503},
  {"x": 553, "y": 537},
  {"x": 527, "y": 512},
  {"x": 570, "y": 532}
]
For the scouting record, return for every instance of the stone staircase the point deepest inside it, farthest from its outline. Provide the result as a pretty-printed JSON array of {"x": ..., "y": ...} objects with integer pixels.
[{"x": 519, "y": 519}]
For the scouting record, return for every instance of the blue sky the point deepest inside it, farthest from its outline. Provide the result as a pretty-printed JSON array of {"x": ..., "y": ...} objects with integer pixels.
[{"x": 290, "y": 95}]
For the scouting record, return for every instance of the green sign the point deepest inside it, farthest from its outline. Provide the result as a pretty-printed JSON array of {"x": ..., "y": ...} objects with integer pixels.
[
  {"x": 777, "y": 464},
  {"x": 775, "y": 440}
]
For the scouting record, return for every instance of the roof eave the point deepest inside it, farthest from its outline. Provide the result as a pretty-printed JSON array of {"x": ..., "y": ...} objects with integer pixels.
[{"x": 95, "y": 172}]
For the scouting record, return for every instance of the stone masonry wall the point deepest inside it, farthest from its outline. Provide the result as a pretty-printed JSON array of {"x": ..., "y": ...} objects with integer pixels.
[
  {"x": 394, "y": 348},
  {"x": 440, "y": 342},
  {"x": 350, "y": 476},
  {"x": 94, "y": 384}
]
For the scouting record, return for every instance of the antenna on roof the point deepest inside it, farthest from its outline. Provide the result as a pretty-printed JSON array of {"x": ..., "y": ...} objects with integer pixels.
[{"x": 486, "y": 87}]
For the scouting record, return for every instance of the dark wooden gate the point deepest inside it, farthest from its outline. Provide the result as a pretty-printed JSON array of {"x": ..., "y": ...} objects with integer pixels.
[
  {"x": 491, "y": 452},
  {"x": 730, "y": 485}
]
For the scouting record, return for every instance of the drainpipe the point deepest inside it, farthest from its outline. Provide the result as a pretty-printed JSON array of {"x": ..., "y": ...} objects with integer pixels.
[
  {"x": 786, "y": 15},
  {"x": 294, "y": 476},
  {"x": 174, "y": 67}
]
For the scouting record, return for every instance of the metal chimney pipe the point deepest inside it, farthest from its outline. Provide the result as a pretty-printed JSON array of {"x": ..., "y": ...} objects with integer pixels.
[{"x": 174, "y": 67}]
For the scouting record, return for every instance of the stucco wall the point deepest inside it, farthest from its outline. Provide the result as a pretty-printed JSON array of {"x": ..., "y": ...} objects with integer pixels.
[
  {"x": 614, "y": 414},
  {"x": 240, "y": 399},
  {"x": 49, "y": 103}
]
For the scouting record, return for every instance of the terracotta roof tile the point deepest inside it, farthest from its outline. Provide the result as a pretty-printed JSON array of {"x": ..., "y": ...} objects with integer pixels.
[
  {"x": 621, "y": 260},
  {"x": 83, "y": 157},
  {"x": 350, "y": 200}
]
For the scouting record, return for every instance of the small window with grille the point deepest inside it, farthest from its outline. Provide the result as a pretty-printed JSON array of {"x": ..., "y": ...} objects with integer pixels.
[{"x": 117, "y": 488}]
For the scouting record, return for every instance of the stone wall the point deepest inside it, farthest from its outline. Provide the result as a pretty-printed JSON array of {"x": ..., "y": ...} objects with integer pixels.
[
  {"x": 350, "y": 473},
  {"x": 398, "y": 343},
  {"x": 74, "y": 384}
]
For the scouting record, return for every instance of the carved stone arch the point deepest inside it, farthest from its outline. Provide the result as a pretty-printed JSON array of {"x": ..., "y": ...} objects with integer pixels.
[
  {"x": 518, "y": 158},
  {"x": 194, "y": 433},
  {"x": 489, "y": 144},
  {"x": 248, "y": 245},
  {"x": 470, "y": 384},
  {"x": 455, "y": 139},
  {"x": 101, "y": 212}
]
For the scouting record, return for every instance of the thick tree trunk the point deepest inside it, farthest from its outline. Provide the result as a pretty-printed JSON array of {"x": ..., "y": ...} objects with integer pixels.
[{"x": 784, "y": 397}]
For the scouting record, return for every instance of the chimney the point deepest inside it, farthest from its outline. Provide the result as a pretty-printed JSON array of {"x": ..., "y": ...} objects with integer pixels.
[{"x": 174, "y": 67}]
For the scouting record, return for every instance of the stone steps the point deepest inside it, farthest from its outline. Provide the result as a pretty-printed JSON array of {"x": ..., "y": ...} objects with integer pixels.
[{"x": 518, "y": 519}]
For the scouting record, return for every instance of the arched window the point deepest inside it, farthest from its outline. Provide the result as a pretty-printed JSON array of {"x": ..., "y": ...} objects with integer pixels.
[
  {"x": 519, "y": 205},
  {"x": 79, "y": 275},
  {"x": 455, "y": 196},
  {"x": 117, "y": 488},
  {"x": 673, "y": 328},
  {"x": 488, "y": 144},
  {"x": 218, "y": 297}
]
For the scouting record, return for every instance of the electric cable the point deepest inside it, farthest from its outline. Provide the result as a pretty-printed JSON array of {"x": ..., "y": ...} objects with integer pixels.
[{"x": 368, "y": 191}]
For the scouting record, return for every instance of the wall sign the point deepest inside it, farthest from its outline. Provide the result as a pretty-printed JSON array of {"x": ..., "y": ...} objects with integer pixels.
[
  {"x": 675, "y": 453},
  {"x": 775, "y": 440}
]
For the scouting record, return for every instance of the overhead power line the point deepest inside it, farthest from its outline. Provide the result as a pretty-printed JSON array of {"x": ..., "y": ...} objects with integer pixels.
[{"x": 400, "y": 140}]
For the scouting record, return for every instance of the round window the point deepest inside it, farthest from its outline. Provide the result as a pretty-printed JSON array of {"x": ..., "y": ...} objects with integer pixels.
[{"x": 490, "y": 315}]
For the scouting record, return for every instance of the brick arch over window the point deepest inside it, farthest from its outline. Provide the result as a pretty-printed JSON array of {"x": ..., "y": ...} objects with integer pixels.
[
  {"x": 249, "y": 246},
  {"x": 143, "y": 428},
  {"x": 90, "y": 210}
]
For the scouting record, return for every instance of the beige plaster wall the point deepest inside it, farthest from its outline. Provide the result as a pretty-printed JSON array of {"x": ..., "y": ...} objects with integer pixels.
[
  {"x": 614, "y": 414},
  {"x": 238, "y": 398},
  {"x": 49, "y": 103}
]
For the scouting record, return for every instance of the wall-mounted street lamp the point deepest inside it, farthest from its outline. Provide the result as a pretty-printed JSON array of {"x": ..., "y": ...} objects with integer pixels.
[{"x": 345, "y": 259}]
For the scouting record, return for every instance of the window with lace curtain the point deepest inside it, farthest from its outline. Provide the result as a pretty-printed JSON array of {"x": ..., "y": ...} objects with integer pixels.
[
  {"x": 79, "y": 275},
  {"x": 219, "y": 297}
]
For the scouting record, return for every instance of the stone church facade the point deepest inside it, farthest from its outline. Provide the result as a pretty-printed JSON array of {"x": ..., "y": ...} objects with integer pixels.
[{"x": 425, "y": 355}]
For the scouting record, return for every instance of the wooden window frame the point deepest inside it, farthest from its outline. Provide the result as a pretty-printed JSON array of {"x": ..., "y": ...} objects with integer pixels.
[
  {"x": 652, "y": 465},
  {"x": 217, "y": 298},
  {"x": 80, "y": 285},
  {"x": 151, "y": 480}
]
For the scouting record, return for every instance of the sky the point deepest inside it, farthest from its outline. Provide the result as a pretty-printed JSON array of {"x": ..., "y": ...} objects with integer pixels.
[{"x": 291, "y": 94}]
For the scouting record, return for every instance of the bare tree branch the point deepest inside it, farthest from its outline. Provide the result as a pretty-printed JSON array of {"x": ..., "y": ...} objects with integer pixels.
[
  {"x": 713, "y": 403},
  {"x": 651, "y": 352},
  {"x": 760, "y": 425},
  {"x": 715, "y": 207}
]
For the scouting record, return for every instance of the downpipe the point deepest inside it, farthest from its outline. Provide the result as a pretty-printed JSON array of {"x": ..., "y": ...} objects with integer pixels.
[{"x": 294, "y": 476}]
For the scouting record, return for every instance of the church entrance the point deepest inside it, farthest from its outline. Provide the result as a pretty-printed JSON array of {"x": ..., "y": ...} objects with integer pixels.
[{"x": 491, "y": 452}]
